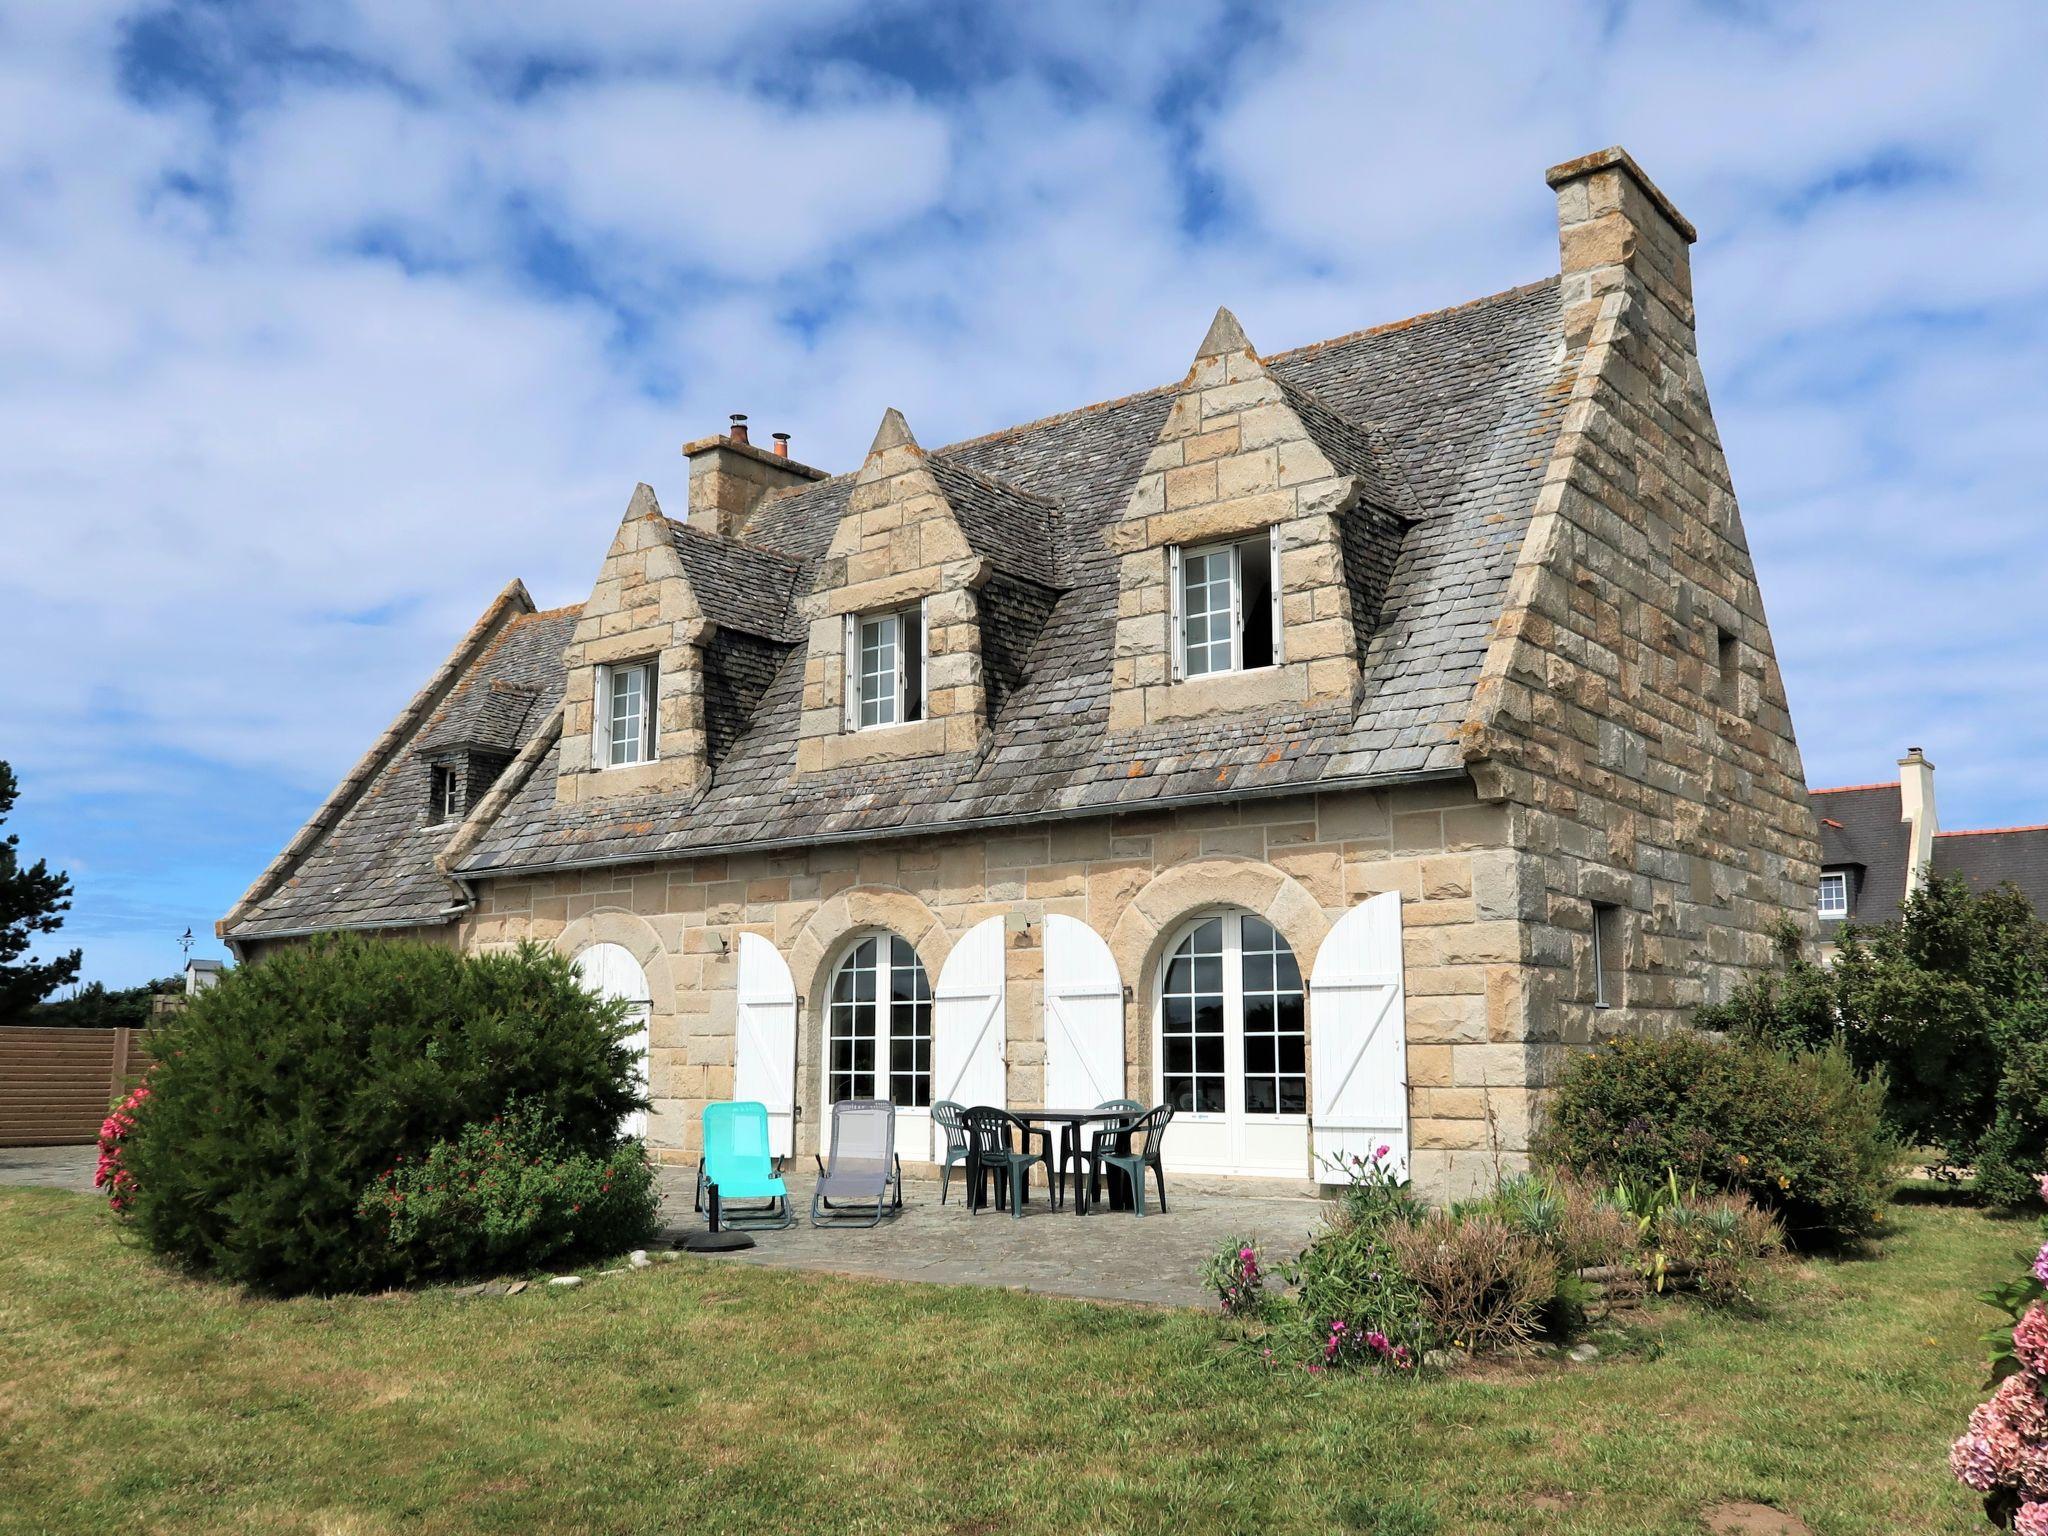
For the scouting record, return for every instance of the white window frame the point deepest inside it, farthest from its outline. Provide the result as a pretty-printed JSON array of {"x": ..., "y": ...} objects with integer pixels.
[
  {"x": 1232, "y": 956},
  {"x": 855, "y": 672},
  {"x": 881, "y": 1076},
  {"x": 446, "y": 787},
  {"x": 601, "y": 714},
  {"x": 1838, "y": 880},
  {"x": 1177, "y": 615}
]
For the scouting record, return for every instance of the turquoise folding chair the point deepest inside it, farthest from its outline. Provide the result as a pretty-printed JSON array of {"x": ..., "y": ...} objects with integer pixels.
[{"x": 737, "y": 1166}]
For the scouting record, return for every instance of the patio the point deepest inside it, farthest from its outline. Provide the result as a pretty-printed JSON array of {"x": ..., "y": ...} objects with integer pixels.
[{"x": 1105, "y": 1256}]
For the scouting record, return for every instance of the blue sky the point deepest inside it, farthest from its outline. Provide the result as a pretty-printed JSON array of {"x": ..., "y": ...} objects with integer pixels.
[{"x": 317, "y": 324}]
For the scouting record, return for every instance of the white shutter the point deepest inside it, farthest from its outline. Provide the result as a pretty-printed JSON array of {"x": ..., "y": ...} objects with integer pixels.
[
  {"x": 601, "y": 721},
  {"x": 1177, "y": 630},
  {"x": 1236, "y": 606},
  {"x": 610, "y": 971},
  {"x": 967, "y": 1023},
  {"x": 1084, "y": 1017},
  {"x": 924, "y": 659},
  {"x": 1358, "y": 1037},
  {"x": 1273, "y": 581},
  {"x": 764, "y": 1057},
  {"x": 849, "y": 671}
]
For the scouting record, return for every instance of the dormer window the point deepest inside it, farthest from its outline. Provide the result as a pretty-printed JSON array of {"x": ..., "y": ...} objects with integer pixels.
[
  {"x": 1834, "y": 894},
  {"x": 444, "y": 794},
  {"x": 625, "y": 714},
  {"x": 1226, "y": 606},
  {"x": 885, "y": 660}
]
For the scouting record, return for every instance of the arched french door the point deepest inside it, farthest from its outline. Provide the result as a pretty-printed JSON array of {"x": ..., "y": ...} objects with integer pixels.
[
  {"x": 878, "y": 1036},
  {"x": 1230, "y": 1049},
  {"x": 611, "y": 972}
]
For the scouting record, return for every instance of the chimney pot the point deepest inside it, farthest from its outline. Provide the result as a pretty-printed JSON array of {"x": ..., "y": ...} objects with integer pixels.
[
  {"x": 781, "y": 444},
  {"x": 739, "y": 427}
]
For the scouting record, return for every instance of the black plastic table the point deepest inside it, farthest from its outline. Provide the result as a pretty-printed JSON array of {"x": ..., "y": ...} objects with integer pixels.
[{"x": 1070, "y": 1122}]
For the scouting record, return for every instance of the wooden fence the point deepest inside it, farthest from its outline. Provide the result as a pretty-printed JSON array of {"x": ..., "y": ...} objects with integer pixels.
[{"x": 57, "y": 1084}]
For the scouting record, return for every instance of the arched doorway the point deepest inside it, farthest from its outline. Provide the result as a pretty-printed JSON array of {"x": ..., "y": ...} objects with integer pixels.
[
  {"x": 1230, "y": 1048},
  {"x": 878, "y": 1036},
  {"x": 610, "y": 971}
]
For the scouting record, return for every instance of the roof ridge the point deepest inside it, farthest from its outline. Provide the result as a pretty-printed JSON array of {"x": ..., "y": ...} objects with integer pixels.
[
  {"x": 548, "y": 613},
  {"x": 1390, "y": 327},
  {"x": 1844, "y": 789},
  {"x": 1993, "y": 831}
]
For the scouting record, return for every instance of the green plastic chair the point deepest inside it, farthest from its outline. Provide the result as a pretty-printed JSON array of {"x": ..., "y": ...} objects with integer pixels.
[
  {"x": 948, "y": 1116},
  {"x": 1074, "y": 1156},
  {"x": 737, "y": 1166},
  {"x": 1130, "y": 1149}
]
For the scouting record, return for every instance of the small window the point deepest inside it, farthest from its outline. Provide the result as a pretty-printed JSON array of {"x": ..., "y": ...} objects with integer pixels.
[
  {"x": 1729, "y": 658},
  {"x": 626, "y": 714},
  {"x": 1607, "y": 955},
  {"x": 446, "y": 794},
  {"x": 1834, "y": 893},
  {"x": 1226, "y": 606},
  {"x": 887, "y": 665}
]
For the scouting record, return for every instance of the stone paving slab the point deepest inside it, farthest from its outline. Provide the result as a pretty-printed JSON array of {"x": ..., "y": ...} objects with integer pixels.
[
  {"x": 1105, "y": 1255},
  {"x": 50, "y": 1167}
]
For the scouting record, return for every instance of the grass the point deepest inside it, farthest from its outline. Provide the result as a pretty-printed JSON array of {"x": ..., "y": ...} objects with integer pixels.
[{"x": 725, "y": 1398}]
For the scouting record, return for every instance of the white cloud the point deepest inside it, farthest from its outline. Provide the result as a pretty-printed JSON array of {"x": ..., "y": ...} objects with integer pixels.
[{"x": 295, "y": 375}]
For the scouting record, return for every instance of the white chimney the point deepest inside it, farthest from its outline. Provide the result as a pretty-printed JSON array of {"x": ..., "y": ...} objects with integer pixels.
[{"x": 1916, "y": 810}]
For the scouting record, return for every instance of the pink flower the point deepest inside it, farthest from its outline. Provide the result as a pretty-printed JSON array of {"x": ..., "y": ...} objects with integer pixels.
[
  {"x": 2030, "y": 1339},
  {"x": 2044, "y": 1186},
  {"x": 2032, "y": 1520},
  {"x": 1380, "y": 1152},
  {"x": 2006, "y": 1445},
  {"x": 2041, "y": 1265}
]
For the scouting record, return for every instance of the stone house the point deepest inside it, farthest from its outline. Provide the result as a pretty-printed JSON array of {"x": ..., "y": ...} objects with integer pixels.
[
  {"x": 1323, "y": 742},
  {"x": 1879, "y": 843}
]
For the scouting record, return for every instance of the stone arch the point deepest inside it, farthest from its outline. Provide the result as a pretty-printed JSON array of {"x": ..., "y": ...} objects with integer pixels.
[
  {"x": 635, "y": 935},
  {"x": 1165, "y": 905},
  {"x": 818, "y": 946}
]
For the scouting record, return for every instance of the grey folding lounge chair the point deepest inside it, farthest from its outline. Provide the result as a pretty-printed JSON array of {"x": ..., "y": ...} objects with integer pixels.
[{"x": 864, "y": 1171}]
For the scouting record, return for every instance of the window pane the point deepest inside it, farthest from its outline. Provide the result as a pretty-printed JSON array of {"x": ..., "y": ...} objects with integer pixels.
[
  {"x": 1260, "y": 1096},
  {"x": 878, "y": 670},
  {"x": 1275, "y": 1034},
  {"x": 1206, "y": 612},
  {"x": 1255, "y": 562},
  {"x": 626, "y": 717},
  {"x": 1209, "y": 1095},
  {"x": 1293, "y": 1095}
]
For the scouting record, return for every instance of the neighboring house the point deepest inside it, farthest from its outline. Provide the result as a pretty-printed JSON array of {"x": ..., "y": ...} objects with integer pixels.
[
  {"x": 1322, "y": 743},
  {"x": 1879, "y": 842}
]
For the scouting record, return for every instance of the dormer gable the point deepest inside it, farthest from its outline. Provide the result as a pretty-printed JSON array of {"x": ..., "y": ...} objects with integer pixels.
[
  {"x": 894, "y": 666},
  {"x": 633, "y": 698},
  {"x": 1240, "y": 584}
]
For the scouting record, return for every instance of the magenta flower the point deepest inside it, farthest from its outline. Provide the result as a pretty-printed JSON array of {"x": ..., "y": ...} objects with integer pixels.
[
  {"x": 2032, "y": 1520},
  {"x": 1380, "y": 1153}
]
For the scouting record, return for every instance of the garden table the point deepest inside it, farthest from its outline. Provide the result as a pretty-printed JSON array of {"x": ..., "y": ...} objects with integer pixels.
[{"x": 1070, "y": 1122}]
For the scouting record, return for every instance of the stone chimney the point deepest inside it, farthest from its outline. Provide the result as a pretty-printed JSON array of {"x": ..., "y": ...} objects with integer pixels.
[
  {"x": 1916, "y": 810},
  {"x": 730, "y": 478},
  {"x": 1613, "y": 224}
]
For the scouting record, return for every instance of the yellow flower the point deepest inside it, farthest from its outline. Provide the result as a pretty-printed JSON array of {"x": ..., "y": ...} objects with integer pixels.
[
  {"x": 1783, "y": 1182},
  {"x": 1742, "y": 1159}
]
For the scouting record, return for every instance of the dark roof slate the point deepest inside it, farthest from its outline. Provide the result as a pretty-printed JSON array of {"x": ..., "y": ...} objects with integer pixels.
[
  {"x": 375, "y": 867},
  {"x": 1987, "y": 859},
  {"x": 1465, "y": 407},
  {"x": 1005, "y": 525},
  {"x": 738, "y": 586},
  {"x": 1860, "y": 830}
]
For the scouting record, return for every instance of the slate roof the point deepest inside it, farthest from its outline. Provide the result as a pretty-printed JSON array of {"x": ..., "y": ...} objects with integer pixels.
[
  {"x": 375, "y": 866},
  {"x": 1995, "y": 856},
  {"x": 1448, "y": 419},
  {"x": 1860, "y": 831},
  {"x": 737, "y": 585},
  {"x": 1452, "y": 416},
  {"x": 490, "y": 716}
]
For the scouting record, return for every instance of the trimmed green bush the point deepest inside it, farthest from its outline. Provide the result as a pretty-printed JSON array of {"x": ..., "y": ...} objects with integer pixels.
[
  {"x": 1797, "y": 1131},
  {"x": 507, "y": 1195},
  {"x": 284, "y": 1092}
]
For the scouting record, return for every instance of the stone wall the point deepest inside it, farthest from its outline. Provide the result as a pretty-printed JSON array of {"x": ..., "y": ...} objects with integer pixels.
[
  {"x": 1136, "y": 879},
  {"x": 1631, "y": 710}
]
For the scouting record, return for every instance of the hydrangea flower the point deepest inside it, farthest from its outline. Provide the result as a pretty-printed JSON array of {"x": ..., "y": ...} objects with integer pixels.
[
  {"x": 2032, "y": 1520},
  {"x": 2030, "y": 1339}
]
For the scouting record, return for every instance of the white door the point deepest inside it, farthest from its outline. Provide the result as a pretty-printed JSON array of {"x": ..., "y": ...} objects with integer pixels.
[
  {"x": 878, "y": 1038},
  {"x": 1361, "y": 1038},
  {"x": 610, "y": 971},
  {"x": 967, "y": 1028},
  {"x": 764, "y": 1059},
  {"x": 1084, "y": 1017},
  {"x": 1230, "y": 1049}
]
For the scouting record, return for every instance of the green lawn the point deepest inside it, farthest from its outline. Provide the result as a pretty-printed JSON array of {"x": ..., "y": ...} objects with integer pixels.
[{"x": 704, "y": 1398}]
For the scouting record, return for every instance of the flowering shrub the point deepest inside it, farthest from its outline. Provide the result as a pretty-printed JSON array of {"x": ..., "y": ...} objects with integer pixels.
[
  {"x": 2004, "y": 1453},
  {"x": 1238, "y": 1279},
  {"x": 508, "y": 1194},
  {"x": 1483, "y": 1285},
  {"x": 1374, "y": 1190},
  {"x": 111, "y": 1174}
]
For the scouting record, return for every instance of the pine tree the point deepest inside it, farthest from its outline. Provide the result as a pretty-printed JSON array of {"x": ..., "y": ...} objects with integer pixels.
[{"x": 32, "y": 901}]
